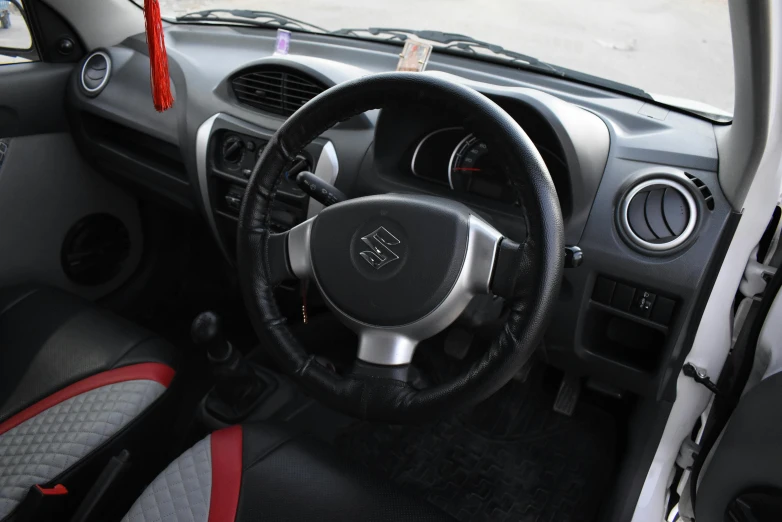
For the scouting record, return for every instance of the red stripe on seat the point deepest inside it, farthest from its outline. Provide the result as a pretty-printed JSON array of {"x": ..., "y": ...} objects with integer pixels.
[
  {"x": 226, "y": 474},
  {"x": 145, "y": 371}
]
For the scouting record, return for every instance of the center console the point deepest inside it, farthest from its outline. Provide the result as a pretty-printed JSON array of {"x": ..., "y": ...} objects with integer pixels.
[{"x": 227, "y": 150}]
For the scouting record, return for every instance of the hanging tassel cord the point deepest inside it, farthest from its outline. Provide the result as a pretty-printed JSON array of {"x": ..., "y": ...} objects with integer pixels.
[{"x": 158, "y": 59}]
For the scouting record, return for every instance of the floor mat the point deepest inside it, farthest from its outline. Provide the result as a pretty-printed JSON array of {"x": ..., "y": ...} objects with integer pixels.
[{"x": 511, "y": 458}]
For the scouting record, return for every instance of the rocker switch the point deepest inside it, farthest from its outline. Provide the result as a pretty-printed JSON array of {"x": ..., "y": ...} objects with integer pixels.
[{"x": 643, "y": 302}]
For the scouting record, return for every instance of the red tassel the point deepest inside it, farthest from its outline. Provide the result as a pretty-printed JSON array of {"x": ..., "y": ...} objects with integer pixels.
[{"x": 158, "y": 59}]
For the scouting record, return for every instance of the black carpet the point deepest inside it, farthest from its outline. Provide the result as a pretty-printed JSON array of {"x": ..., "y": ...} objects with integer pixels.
[{"x": 511, "y": 458}]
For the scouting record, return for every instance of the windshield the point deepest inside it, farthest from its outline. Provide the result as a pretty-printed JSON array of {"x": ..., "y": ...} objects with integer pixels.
[{"x": 679, "y": 52}]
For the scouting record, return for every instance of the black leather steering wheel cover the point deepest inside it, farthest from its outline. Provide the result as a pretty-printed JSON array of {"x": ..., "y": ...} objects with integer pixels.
[{"x": 540, "y": 256}]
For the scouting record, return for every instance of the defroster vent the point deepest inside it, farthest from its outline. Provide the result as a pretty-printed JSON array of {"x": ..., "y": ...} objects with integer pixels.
[{"x": 276, "y": 90}]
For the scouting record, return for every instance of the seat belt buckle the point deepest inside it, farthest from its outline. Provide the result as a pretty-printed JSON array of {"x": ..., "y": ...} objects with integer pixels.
[
  {"x": 57, "y": 490},
  {"x": 44, "y": 504}
]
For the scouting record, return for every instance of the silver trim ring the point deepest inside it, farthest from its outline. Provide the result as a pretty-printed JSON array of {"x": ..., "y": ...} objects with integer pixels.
[
  {"x": 659, "y": 247},
  {"x": 453, "y": 157},
  {"x": 105, "y": 79},
  {"x": 420, "y": 144},
  {"x": 203, "y": 135},
  {"x": 327, "y": 169}
]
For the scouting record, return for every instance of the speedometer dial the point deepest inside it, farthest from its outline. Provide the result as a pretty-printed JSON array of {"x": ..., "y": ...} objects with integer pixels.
[{"x": 472, "y": 169}]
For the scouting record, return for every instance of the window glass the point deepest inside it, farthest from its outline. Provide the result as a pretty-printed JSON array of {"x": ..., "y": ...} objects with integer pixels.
[
  {"x": 677, "y": 52},
  {"x": 14, "y": 33}
]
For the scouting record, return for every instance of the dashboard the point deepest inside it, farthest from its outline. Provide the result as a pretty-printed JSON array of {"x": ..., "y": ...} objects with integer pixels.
[{"x": 637, "y": 183}]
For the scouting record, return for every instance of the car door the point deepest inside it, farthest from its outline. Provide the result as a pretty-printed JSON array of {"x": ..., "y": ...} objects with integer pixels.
[
  {"x": 741, "y": 475},
  {"x": 62, "y": 223}
]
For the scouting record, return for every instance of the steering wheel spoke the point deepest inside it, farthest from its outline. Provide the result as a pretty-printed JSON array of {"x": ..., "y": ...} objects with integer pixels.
[
  {"x": 298, "y": 249},
  {"x": 385, "y": 347},
  {"x": 289, "y": 254}
]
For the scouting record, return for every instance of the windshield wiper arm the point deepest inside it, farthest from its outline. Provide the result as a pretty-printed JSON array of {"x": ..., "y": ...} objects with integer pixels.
[
  {"x": 393, "y": 34},
  {"x": 451, "y": 41},
  {"x": 249, "y": 17}
]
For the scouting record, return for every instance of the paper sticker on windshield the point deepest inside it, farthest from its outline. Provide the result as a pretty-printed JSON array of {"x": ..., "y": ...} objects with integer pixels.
[
  {"x": 283, "y": 43},
  {"x": 414, "y": 56}
]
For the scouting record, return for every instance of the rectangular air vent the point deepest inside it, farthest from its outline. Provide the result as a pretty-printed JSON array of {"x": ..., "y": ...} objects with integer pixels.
[{"x": 275, "y": 90}]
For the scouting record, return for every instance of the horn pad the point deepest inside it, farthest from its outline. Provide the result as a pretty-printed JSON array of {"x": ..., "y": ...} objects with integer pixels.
[{"x": 389, "y": 260}]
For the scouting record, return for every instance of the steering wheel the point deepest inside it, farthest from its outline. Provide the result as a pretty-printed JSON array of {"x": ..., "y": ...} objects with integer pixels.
[{"x": 398, "y": 269}]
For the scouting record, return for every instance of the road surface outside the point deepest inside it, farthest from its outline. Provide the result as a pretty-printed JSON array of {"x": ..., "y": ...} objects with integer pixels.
[{"x": 677, "y": 48}]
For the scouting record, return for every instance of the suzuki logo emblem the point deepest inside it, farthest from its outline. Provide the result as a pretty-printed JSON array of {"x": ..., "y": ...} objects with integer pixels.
[{"x": 379, "y": 243}]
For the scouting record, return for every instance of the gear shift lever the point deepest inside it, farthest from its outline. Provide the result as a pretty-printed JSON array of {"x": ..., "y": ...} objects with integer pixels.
[
  {"x": 237, "y": 386},
  {"x": 207, "y": 331}
]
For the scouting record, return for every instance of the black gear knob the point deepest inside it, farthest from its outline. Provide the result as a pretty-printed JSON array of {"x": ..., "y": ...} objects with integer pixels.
[
  {"x": 237, "y": 386},
  {"x": 206, "y": 330}
]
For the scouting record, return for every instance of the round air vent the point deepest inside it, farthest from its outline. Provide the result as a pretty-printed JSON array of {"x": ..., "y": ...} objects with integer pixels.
[
  {"x": 658, "y": 215},
  {"x": 95, "y": 249},
  {"x": 95, "y": 73}
]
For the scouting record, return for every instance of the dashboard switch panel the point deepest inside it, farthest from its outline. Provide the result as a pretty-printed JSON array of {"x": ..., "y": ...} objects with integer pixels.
[
  {"x": 604, "y": 290},
  {"x": 627, "y": 325},
  {"x": 623, "y": 297},
  {"x": 643, "y": 302},
  {"x": 236, "y": 153},
  {"x": 640, "y": 302},
  {"x": 662, "y": 312}
]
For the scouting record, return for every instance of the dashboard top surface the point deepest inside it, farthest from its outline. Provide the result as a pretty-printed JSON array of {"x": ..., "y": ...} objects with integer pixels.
[{"x": 201, "y": 58}]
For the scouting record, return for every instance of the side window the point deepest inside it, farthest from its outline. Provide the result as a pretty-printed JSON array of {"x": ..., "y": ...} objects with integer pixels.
[{"x": 16, "y": 41}]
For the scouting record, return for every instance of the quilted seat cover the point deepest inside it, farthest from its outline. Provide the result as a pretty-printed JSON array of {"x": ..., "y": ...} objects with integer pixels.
[
  {"x": 181, "y": 493},
  {"x": 42, "y": 447}
]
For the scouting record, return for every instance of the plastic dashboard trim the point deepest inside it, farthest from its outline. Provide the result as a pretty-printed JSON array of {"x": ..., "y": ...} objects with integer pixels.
[
  {"x": 203, "y": 135},
  {"x": 326, "y": 165}
]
